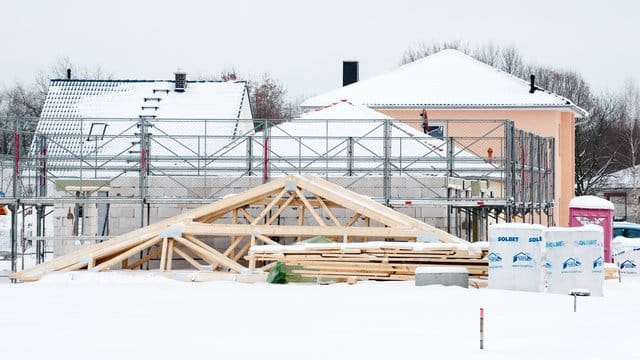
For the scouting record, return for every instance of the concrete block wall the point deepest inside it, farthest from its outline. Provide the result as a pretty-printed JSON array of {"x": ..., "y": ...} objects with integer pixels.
[{"x": 126, "y": 217}]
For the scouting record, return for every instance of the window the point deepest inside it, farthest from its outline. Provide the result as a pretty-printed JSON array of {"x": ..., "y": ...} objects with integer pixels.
[{"x": 437, "y": 131}]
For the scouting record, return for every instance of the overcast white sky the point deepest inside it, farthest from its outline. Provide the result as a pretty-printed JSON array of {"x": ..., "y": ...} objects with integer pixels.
[{"x": 302, "y": 43}]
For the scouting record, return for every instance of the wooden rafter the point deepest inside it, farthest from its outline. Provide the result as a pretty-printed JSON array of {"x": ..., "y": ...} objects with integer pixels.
[{"x": 199, "y": 230}]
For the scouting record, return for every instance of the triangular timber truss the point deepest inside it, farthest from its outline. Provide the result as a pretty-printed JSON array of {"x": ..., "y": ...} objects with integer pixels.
[{"x": 196, "y": 236}]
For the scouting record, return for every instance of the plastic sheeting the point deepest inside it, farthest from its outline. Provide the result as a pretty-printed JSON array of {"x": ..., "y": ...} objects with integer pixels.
[
  {"x": 575, "y": 259},
  {"x": 516, "y": 257},
  {"x": 626, "y": 253}
]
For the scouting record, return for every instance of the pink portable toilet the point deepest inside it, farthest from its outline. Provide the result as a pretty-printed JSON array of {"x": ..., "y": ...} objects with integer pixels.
[{"x": 585, "y": 210}]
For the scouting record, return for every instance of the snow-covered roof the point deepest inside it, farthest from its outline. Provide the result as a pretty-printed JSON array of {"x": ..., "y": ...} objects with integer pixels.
[
  {"x": 622, "y": 179},
  {"x": 447, "y": 79},
  {"x": 343, "y": 109},
  {"x": 126, "y": 99},
  {"x": 590, "y": 202},
  {"x": 340, "y": 131},
  {"x": 72, "y": 107}
]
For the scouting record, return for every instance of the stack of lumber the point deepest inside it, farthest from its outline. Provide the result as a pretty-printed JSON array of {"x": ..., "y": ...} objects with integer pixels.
[{"x": 373, "y": 260}]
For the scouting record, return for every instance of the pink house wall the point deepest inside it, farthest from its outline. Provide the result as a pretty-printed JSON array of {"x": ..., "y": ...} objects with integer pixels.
[{"x": 552, "y": 123}]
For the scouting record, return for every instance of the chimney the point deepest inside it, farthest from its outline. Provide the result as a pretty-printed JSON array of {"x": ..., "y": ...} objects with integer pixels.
[
  {"x": 349, "y": 72},
  {"x": 533, "y": 84},
  {"x": 68, "y": 74},
  {"x": 181, "y": 81}
]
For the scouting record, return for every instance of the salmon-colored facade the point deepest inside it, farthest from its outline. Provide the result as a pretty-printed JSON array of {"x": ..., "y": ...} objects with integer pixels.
[{"x": 559, "y": 124}]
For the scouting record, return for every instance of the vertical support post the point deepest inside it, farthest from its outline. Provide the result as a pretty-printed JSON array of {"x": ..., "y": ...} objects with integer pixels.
[
  {"x": 265, "y": 145},
  {"x": 144, "y": 166},
  {"x": 103, "y": 215},
  {"x": 450, "y": 143},
  {"x": 350, "y": 156},
  {"x": 552, "y": 181},
  {"x": 386, "y": 179},
  {"x": 249, "y": 140},
  {"x": 16, "y": 196},
  {"x": 509, "y": 168},
  {"x": 531, "y": 176}
]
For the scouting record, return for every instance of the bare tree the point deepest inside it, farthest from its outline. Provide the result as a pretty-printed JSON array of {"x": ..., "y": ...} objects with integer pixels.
[
  {"x": 512, "y": 62},
  {"x": 269, "y": 100},
  {"x": 595, "y": 152},
  {"x": 629, "y": 126},
  {"x": 24, "y": 101},
  {"x": 490, "y": 54},
  {"x": 422, "y": 50}
]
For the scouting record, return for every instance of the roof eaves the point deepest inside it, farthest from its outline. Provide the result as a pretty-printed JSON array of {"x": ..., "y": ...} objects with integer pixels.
[{"x": 576, "y": 109}]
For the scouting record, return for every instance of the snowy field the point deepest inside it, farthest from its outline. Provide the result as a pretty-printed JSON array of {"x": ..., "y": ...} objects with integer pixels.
[{"x": 105, "y": 316}]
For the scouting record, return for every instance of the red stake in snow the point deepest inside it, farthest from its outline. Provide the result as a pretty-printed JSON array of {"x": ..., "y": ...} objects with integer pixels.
[{"x": 481, "y": 328}]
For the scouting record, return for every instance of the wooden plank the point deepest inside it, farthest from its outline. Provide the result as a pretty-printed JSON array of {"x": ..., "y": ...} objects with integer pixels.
[
  {"x": 293, "y": 231},
  {"x": 231, "y": 249},
  {"x": 185, "y": 256},
  {"x": 266, "y": 240},
  {"x": 144, "y": 259},
  {"x": 280, "y": 209},
  {"x": 242, "y": 251},
  {"x": 310, "y": 208},
  {"x": 218, "y": 256},
  {"x": 246, "y": 215},
  {"x": 163, "y": 254},
  {"x": 145, "y": 245},
  {"x": 266, "y": 210},
  {"x": 329, "y": 212},
  {"x": 170, "y": 254},
  {"x": 353, "y": 219}
]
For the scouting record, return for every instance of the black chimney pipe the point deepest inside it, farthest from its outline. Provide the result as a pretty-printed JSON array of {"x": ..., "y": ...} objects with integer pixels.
[
  {"x": 349, "y": 72},
  {"x": 68, "y": 74},
  {"x": 533, "y": 84}
]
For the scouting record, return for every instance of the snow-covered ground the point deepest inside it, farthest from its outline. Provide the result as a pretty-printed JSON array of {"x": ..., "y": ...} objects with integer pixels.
[{"x": 109, "y": 315}]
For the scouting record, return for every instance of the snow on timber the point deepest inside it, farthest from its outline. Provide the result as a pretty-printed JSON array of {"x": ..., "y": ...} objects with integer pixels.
[{"x": 111, "y": 315}]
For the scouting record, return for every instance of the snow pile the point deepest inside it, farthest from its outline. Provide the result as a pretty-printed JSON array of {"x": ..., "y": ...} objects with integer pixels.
[{"x": 228, "y": 320}]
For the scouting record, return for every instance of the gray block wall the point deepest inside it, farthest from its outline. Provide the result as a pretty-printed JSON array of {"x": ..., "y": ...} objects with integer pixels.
[{"x": 127, "y": 217}]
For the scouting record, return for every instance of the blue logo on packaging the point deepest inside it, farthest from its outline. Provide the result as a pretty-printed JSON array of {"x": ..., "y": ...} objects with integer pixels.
[
  {"x": 629, "y": 264},
  {"x": 598, "y": 262},
  {"x": 555, "y": 244},
  {"x": 548, "y": 265},
  {"x": 495, "y": 257},
  {"x": 587, "y": 242},
  {"x": 571, "y": 263},
  {"x": 522, "y": 256},
  {"x": 535, "y": 239},
  {"x": 508, "y": 238}
]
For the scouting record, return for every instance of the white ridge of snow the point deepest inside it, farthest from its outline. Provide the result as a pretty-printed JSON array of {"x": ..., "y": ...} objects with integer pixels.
[{"x": 590, "y": 202}]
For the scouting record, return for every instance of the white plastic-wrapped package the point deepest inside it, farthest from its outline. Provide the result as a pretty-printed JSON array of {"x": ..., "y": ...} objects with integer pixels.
[
  {"x": 626, "y": 253},
  {"x": 516, "y": 257},
  {"x": 575, "y": 259}
]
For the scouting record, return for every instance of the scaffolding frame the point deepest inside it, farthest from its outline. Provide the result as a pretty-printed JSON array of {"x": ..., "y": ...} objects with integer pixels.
[{"x": 521, "y": 162}]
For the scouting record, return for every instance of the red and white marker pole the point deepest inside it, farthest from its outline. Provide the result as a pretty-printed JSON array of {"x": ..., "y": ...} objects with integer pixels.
[{"x": 481, "y": 328}]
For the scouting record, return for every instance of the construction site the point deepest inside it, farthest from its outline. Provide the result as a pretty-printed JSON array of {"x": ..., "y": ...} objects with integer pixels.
[{"x": 192, "y": 193}]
